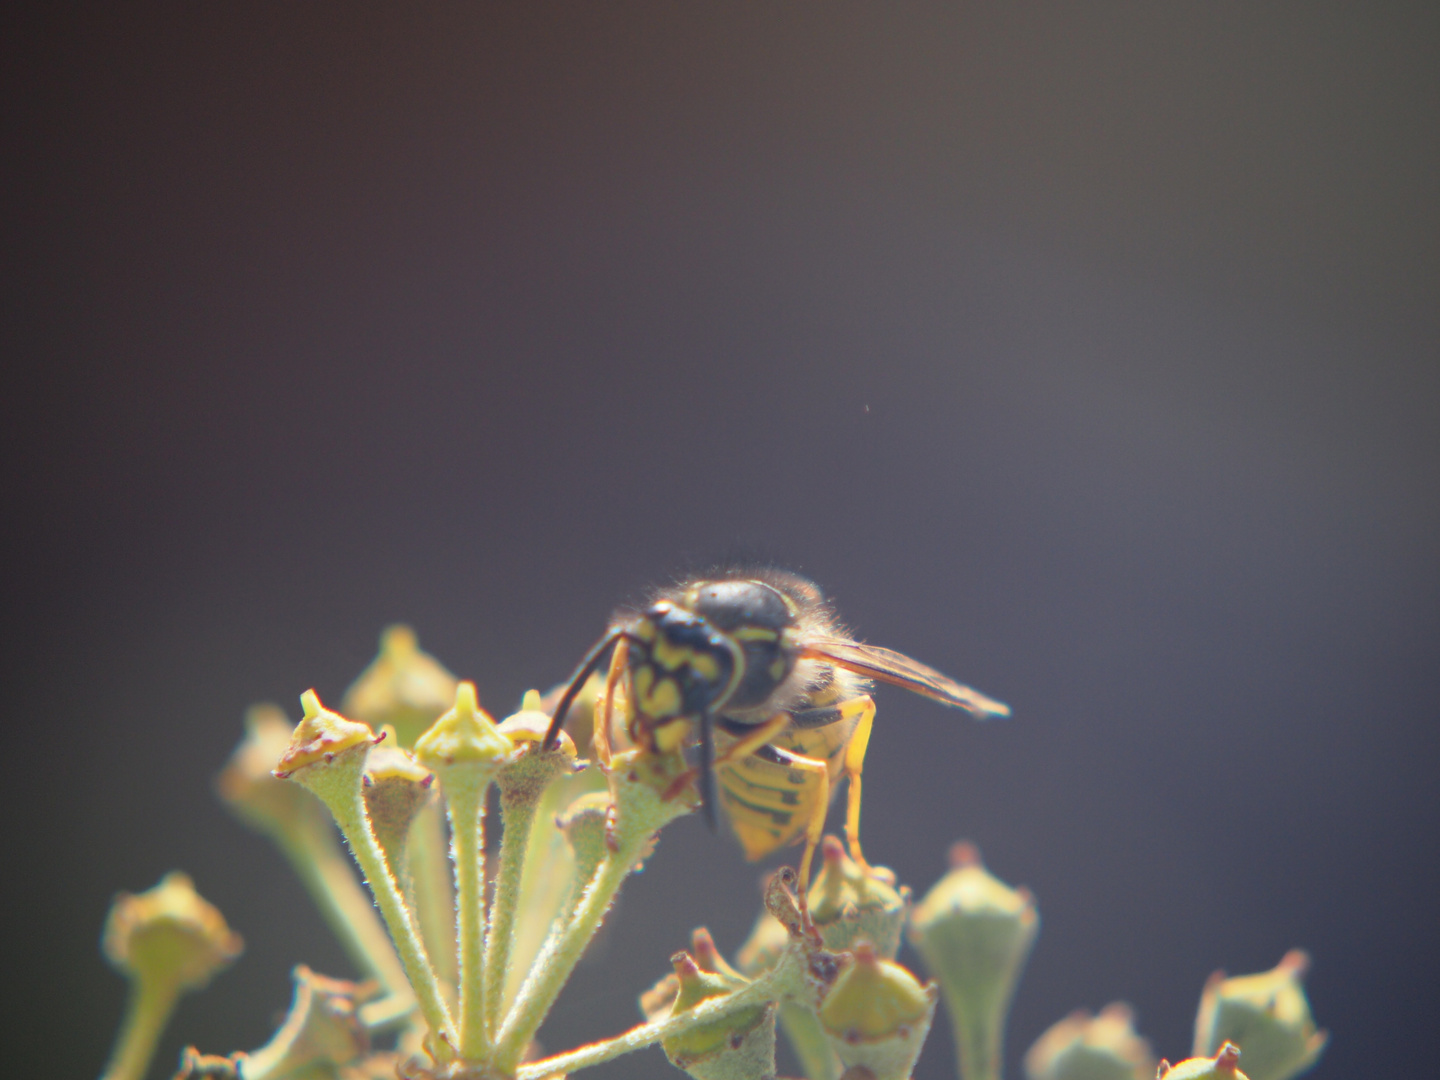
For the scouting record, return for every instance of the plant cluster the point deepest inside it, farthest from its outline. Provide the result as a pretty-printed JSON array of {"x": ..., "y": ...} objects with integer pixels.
[{"x": 461, "y": 960}]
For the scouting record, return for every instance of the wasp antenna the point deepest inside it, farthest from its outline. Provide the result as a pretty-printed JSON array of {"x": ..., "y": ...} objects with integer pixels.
[
  {"x": 708, "y": 795},
  {"x": 577, "y": 681}
]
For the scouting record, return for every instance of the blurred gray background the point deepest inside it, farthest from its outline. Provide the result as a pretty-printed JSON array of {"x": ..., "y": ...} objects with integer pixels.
[{"x": 1088, "y": 352}]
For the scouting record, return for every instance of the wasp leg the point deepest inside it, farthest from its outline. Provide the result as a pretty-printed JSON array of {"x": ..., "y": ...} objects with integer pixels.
[
  {"x": 605, "y": 707},
  {"x": 752, "y": 740},
  {"x": 815, "y": 827},
  {"x": 854, "y": 766},
  {"x": 742, "y": 747}
]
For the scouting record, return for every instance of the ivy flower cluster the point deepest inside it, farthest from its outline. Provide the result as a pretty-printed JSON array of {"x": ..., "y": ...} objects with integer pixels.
[{"x": 461, "y": 961}]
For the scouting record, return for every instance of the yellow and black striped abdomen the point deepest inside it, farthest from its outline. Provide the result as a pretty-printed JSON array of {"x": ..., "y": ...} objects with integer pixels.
[{"x": 771, "y": 795}]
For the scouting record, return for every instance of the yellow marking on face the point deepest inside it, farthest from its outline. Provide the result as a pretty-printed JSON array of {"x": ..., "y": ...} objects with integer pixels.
[
  {"x": 670, "y": 656},
  {"x": 777, "y": 669},
  {"x": 657, "y": 698},
  {"x": 671, "y": 736},
  {"x": 673, "y": 657},
  {"x": 755, "y": 633},
  {"x": 644, "y": 687},
  {"x": 644, "y": 682},
  {"x": 705, "y": 665}
]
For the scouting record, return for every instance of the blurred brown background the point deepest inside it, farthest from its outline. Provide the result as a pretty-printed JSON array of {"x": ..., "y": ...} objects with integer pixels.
[{"x": 1088, "y": 352}]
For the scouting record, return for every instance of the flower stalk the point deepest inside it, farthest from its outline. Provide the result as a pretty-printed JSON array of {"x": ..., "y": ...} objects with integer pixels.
[
  {"x": 327, "y": 756},
  {"x": 640, "y": 783},
  {"x": 523, "y": 784},
  {"x": 301, "y": 828},
  {"x": 167, "y": 941}
]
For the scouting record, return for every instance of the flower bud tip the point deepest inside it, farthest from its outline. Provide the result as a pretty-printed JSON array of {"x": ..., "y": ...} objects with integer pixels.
[
  {"x": 467, "y": 700},
  {"x": 398, "y": 642},
  {"x": 964, "y": 854},
  {"x": 1294, "y": 963}
]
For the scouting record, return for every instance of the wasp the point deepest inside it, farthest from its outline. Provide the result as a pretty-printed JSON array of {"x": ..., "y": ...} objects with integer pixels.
[{"x": 753, "y": 668}]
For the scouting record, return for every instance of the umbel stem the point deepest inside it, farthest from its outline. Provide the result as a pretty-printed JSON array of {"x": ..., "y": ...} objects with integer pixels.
[
  {"x": 467, "y": 831},
  {"x": 783, "y": 979},
  {"x": 147, "y": 1011},
  {"x": 327, "y": 755},
  {"x": 517, "y": 820},
  {"x": 330, "y": 879}
]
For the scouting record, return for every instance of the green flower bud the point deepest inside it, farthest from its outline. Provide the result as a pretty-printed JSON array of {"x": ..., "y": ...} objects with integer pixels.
[
  {"x": 1082, "y": 1047},
  {"x": 736, "y": 1046},
  {"x": 169, "y": 933},
  {"x": 707, "y": 956},
  {"x": 849, "y": 902},
  {"x": 975, "y": 933},
  {"x": 396, "y": 789},
  {"x": 464, "y": 742},
  {"x": 1225, "y": 1065},
  {"x": 586, "y": 824},
  {"x": 1266, "y": 1015},
  {"x": 321, "y": 1033},
  {"x": 657, "y": 1002},
  {"x": 257, "y": 797},
  {"x": 167, "y": 941},
  {"x": 525, "y": 779},
  {"x": 876, "y": 1015},
  {"x": 320, "y": 738},
  {"x": 403, "y": 687}
]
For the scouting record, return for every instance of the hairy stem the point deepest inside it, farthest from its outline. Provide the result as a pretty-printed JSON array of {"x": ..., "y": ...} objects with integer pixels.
[
  {"x": 467, "y": 839},
  {"x": 560, "y": 955},
  {"x": 328, "y": 877},
  {"x": 434, "y": 891},
  {"x": 807, "y": 1038},
  {"x": 146, "y": 1014},
  {"x": 349, "y": 812},
  {"x": 514, "y": 842},
  {"x": 770, "y": 986}
]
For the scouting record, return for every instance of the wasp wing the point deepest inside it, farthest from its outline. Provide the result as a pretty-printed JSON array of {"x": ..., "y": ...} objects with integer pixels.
[{"x": 887, "y": 665}]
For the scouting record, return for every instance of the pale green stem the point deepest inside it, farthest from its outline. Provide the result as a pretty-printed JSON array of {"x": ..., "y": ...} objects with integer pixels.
[
  {"x": 547, "y": 878},
  {"x": 327, "y": 874},
  {"x": 349, "y": 811},
  {"x": 770, "y": 986},
  {"x": 807, "y": 1038},
  {"x": 465, "y": 797},
  {"x": 514, "y": 842},
  {"x": 979, "y": 1036},
  {"x": 147, "y": 1012},
  {"x": 434, "y": 890},
  {"x": 557, "y": 960}
]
